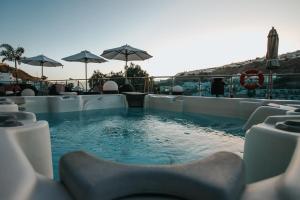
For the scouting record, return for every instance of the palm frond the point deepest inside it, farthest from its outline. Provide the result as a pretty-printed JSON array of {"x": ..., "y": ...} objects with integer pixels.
[
  {"x": 7, "y": 47},
  {"x": 10, "y": 54},
  {"x": 6, "y": 55},
  {"x": 2, "y": 53},
  {"x": 19, "y": 51},
  {"x": 7, "y": 52}
]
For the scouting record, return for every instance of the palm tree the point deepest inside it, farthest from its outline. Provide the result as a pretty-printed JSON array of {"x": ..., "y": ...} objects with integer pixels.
[{"x": 10, "y": 54}]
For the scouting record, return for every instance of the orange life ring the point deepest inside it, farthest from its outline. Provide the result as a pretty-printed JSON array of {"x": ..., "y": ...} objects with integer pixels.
[{"x": 254, "y": 85}]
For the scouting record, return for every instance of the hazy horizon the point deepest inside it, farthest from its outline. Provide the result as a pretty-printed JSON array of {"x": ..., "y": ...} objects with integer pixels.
[{"x": 180, "y": 35}]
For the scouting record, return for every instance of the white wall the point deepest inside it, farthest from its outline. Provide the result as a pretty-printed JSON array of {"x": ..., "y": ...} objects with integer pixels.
[
  {"x": 71, "y": 103},
  {"x": 219, "y": 106}
]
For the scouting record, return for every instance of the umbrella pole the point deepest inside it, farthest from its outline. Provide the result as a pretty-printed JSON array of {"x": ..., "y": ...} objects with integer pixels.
[
  {"x": 41, "y": 85},
  {"x": 126, "y": 69},
  {"x": 86, "y": 76},
  {"x": 126, "y": 60},
  {"x": 270, "y": 84},
  {"x": 42, "y": 69}
]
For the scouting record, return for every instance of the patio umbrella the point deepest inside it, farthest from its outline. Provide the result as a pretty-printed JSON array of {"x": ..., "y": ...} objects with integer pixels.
[
  {"x": 85, "y": 57},
  {"x": 42, "y": 61},
  {"x": 272, "y": 56},
  {"x": 126, "y": 53}
]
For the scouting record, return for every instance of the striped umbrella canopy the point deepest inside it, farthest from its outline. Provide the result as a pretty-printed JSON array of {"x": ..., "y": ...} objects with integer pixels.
[
  {"x": 85, "y": 57},
  {"x": 126, "y": 53},
  {"x": 272, "y": 50},
  {"x": 42, "y": 61}
]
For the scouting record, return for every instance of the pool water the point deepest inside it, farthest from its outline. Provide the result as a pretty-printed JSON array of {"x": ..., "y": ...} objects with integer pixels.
[{"x": 142, "y": 137}]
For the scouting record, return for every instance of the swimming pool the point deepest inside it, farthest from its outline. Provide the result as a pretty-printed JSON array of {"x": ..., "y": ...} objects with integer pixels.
[{"x": 142, "y": 137}]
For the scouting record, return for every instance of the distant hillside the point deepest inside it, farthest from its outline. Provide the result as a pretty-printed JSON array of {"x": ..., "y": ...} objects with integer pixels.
[
  {"x": 21, "y": 74},
  {"x": 289, "y": 63}
]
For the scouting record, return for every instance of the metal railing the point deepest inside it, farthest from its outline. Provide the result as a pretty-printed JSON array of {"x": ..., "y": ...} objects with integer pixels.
[{"x": 285, "y": 86}]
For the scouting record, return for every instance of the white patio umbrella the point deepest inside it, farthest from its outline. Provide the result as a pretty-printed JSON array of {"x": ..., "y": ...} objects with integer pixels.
[
  {"x": 126, "y": 53},
  {"x": 42, "y": 61},
  {"x": 85, "y": 57}
]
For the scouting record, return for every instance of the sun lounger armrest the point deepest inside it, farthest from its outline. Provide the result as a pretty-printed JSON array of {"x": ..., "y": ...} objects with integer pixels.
[{"x": 220, "y": 176}]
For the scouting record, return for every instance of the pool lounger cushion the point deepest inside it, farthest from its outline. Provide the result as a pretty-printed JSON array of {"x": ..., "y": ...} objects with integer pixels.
[{"x": 220, "y": 176}]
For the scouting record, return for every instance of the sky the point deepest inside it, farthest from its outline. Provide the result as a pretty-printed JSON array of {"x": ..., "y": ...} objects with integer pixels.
[{"x": 181, "y": 35}]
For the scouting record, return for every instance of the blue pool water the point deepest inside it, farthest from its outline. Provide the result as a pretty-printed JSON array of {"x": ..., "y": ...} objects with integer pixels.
[{"x": 142, "y": 137}]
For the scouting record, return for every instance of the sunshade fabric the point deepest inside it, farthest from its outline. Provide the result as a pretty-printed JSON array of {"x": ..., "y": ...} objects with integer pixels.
[
  {"x": 126, "y": 53},
  {"x": 41, "y": 60},
  {"x": 272, "y": 57},
  {"x": 273, "y": 43},
  {"x": 272, "y": 50},
  {"x": 86, "y": 57}
]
